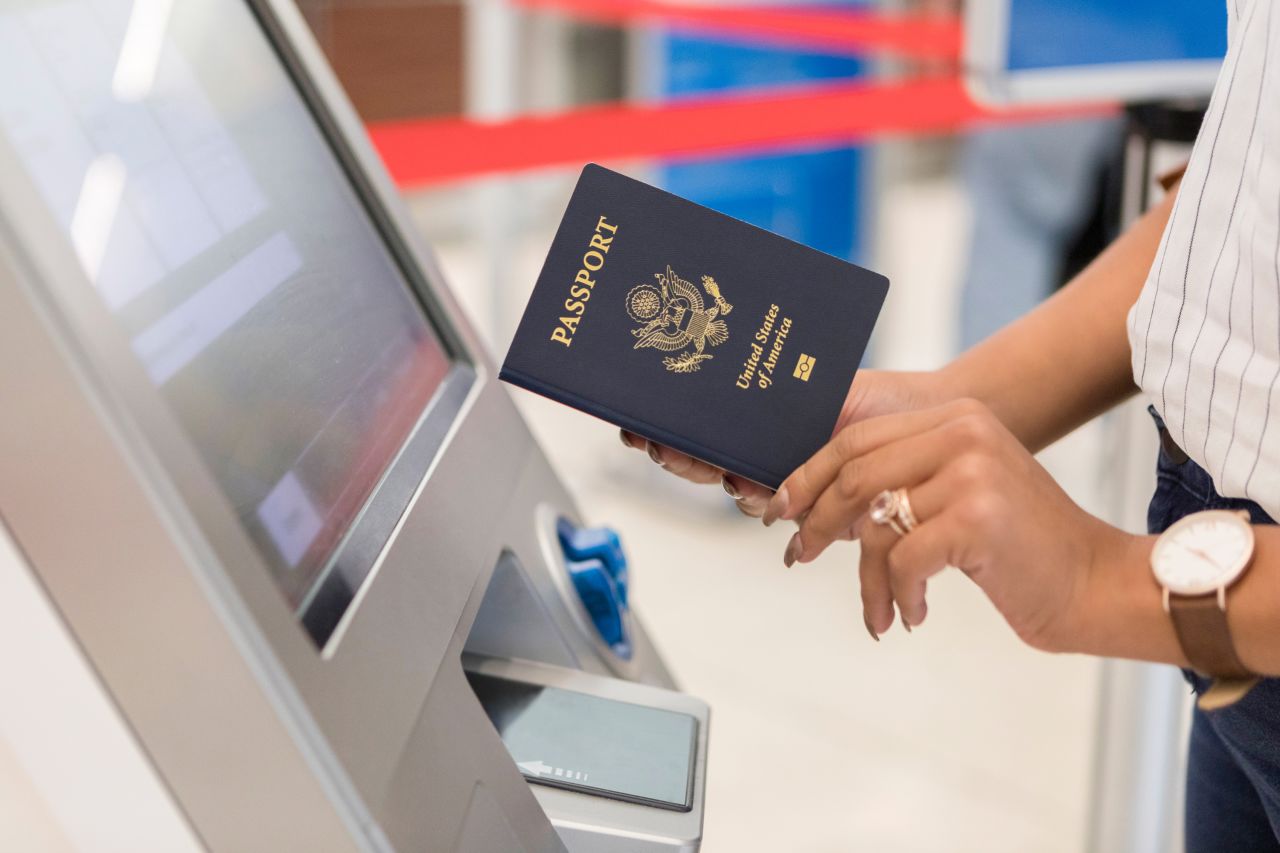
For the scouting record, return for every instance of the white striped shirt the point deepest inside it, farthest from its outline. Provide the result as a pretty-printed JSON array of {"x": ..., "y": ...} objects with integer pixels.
[{"x": 1205, "y": 332}]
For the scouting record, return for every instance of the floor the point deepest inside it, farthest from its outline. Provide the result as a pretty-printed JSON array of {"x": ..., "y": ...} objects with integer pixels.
[{"x": 954, "y": 738}]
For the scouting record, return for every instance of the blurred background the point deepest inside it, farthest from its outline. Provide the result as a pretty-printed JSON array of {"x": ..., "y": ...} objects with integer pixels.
[{"x": 955, "y": 737}]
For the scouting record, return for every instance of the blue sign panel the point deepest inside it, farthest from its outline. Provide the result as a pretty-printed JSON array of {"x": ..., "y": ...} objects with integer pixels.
[
  {"x": 810, "y": 197},
  {"x": 1057, "y": 33}
]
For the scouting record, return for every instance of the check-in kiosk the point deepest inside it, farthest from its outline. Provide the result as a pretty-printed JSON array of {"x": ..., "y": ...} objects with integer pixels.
[{"x": 260, "y": 469}]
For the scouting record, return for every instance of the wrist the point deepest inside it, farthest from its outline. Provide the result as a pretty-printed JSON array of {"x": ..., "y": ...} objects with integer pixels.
[
  {"x": 953, "y": 381},
  {"x": 1120, "y": 611}
]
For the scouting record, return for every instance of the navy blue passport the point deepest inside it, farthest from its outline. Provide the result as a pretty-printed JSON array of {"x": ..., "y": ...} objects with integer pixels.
[{"x": 694, "y": 329}]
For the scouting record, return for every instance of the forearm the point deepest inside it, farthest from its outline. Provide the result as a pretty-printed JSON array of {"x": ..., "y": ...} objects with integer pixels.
[
  {"x": 1069, "y": 360},
  {"x": 1122, "y": 610}
]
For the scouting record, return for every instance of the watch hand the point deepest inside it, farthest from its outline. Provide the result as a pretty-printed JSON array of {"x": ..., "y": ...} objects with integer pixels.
[
  {"x": 1198, "y": 553},
  {"x": 1202, "y": 555}
]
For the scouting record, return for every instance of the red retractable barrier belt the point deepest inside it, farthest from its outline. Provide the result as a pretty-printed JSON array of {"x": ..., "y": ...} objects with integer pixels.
[
  {"x": 420, "y": 153},
  {"x": 841, "y": 30}
]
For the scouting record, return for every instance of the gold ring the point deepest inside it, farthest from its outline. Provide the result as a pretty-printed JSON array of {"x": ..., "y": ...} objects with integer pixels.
[
  {"x": 905, "y": 514},
  {"x": 892, "y": 508}
]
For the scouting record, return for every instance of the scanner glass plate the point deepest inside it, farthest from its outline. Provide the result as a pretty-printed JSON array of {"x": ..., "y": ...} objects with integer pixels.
[{"x": 591, "y": 744}]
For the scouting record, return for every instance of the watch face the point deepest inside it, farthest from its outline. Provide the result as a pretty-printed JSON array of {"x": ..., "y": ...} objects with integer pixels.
[{"x": 1202, "y": 552}]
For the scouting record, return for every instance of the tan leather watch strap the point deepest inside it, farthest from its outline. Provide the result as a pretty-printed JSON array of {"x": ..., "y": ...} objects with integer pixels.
[
  {"x": 1170, "y": 179},
  {"x": 1205, "y": 638}
]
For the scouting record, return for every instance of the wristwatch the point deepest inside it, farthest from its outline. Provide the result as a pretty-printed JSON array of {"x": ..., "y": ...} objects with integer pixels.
[{"x": 1194, "y": 561}]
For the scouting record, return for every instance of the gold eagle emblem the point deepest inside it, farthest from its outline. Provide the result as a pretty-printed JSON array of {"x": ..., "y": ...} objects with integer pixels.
[{"x": 673, "y": 316}]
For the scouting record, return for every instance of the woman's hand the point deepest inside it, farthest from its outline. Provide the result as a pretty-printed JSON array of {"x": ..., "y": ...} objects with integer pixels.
[
  {"x": 873, "y": 393},
  {"x": 983, "y": 504}
]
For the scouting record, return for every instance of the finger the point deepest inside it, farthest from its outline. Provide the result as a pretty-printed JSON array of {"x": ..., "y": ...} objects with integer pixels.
[
  {"x": 755, "y": 506},
  {"x": 919, "y": 555},
  {"x": 873, "y": 574},
  {"x": 630, "y": 439},
  {"x": 852, "y": 532},
  {"x": 900, "y": 464},
  {"x": 752, "y": 497},
  {"x": 946, "y": 536},
  {"x": 806, "y": 483},
  {"x": 683, "y": 465}
]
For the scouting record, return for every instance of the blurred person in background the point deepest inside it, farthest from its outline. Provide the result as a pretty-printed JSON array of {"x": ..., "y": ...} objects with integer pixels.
[
  {"x": 1184, "y": 306},
  {"x": 1031, "y": 191}
]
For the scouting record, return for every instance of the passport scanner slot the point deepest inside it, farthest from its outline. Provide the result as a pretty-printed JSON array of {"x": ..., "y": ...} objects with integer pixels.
[
  {"x": 605, "y": 757},
  {"x": 585, "y": 743}
]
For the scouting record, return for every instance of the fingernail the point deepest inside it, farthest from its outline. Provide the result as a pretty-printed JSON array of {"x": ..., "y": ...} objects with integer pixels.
[
  {"x": 905, "y": 623},
  {"x": 626, "y": 442},
  {"x": 866, "y": 620},
  {"x": 794, "y": 549},
  {"x": 654, "y": 453},
  {"x": 776, "y": 507},
  {"x": 730, "y": 489}
]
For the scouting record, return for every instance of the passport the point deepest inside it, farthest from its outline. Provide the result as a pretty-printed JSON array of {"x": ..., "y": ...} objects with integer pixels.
[{"x": 693, "y": 329}]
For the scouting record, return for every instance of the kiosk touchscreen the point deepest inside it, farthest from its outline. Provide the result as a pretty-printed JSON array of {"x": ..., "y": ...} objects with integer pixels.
[
  {"x": 214, "y": 223},
  {"x": 261, "y": 466}
]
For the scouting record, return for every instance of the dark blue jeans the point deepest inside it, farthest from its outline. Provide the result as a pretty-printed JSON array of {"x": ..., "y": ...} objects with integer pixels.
[{"x": 1233, "y": 768}]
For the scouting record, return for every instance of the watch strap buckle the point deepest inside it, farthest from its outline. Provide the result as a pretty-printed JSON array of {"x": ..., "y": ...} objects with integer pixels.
[{"x": 1224, "y": 692}]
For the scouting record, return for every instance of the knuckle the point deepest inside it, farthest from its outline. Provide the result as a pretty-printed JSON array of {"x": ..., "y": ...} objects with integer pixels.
[
  {"x": 848, "y": 439},
  {"x": 849, "y": 478},
  {"x": 981, "y": 510},
  {"x": 967, "y": 406},
  {"x": 971, "y": 470},
  {"x": 974, "y": 429},
  {"x": 674, "y": 460},
  {"x": 818, "y": 529}
]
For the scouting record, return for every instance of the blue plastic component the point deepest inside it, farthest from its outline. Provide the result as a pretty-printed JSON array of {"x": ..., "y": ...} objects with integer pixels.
[
  {"x": 598, "y": 568},
  {"x": 596, "y": 543},
  {"x": 600, "y": 596}
]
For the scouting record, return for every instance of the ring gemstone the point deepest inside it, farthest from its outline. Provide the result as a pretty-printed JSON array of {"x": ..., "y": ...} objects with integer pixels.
[{"x": 884, "y": 507}]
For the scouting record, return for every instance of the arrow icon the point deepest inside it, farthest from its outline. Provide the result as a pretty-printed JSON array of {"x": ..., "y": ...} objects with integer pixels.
[{"x": 537, "y": 768}]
